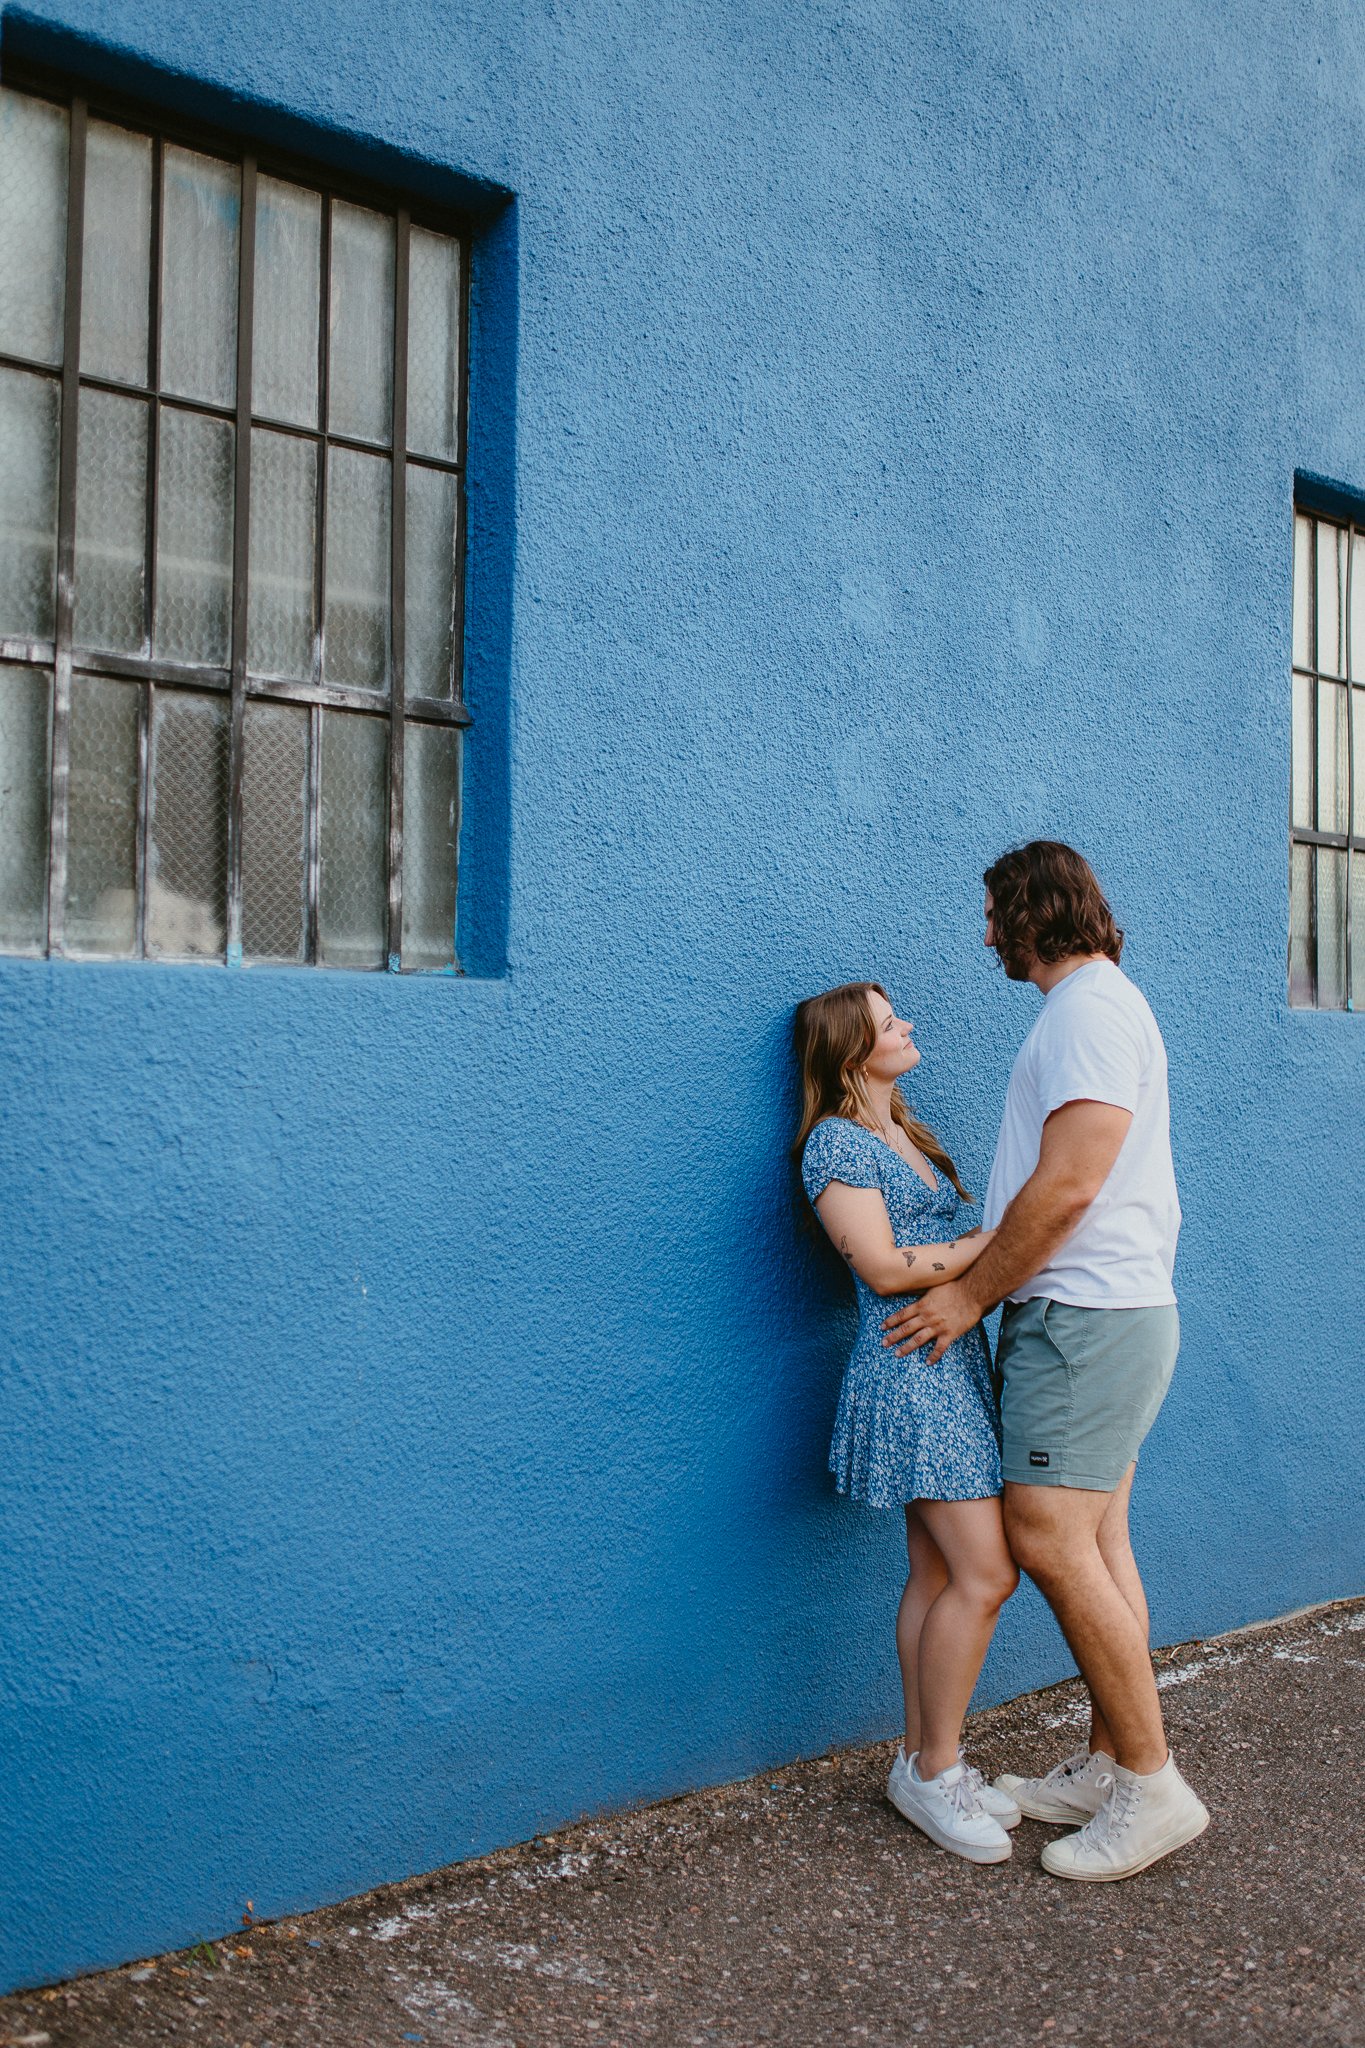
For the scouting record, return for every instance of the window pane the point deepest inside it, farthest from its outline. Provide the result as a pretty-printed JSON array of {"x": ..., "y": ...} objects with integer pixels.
[
  {"x": 1303, "y": 585},
  {"x": 1301, "y": 926},
  {"x": 353, "y": 840},
  {"x": 1333, "y": 762},
  {"x": 1358, "y": 728},
  {"x": 187, "y": 826},
  {"x": 430, "y": 597},
  {"x": 284, "y": 366},
  {"x": 1358, "y": 931},
  {"x": 29, "y": 415},
  {"x": 34, "y": 145},
  {"x": 194, "y": 538},
  {"x": 1301, "y": 793},
  {"x": 1331, "y": 928},
  {"x": 1331, "y": 597},
  {"x": 1358, "y": 605},
  {"x": 111, "y": 511},
  {"x": 356, "y": 635},
  {"x": 281, "y": 619},
  {"x": 201, "y": 201},
  {"x": 116, "y": 267},
  {"x": 431, "y": 824},
  {"x": 274, "y": 831},
  {"x": 25, "y": 778},
  {"x": 360, "y": 367},
  {"x": 101, "y": 856},
  {"x": 433, "y": 344}
]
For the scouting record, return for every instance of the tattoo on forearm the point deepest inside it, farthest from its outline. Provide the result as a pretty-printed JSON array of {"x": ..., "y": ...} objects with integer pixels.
[
  {"x": 909, "y": 1258},
  {"x": 938, "y": 1268},
  {"x": 843, "y": 1247}
]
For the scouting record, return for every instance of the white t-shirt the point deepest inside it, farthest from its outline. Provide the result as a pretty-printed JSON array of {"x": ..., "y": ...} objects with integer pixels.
[{"x": 1097, "y": 1041}]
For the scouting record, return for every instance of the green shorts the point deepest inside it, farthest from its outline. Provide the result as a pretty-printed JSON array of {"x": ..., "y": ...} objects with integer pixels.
[{"x": 1082, "y": 1387}]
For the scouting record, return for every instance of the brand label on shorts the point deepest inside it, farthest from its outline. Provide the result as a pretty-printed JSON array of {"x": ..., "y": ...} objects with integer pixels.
[{"x": 1037, "y": 1457}]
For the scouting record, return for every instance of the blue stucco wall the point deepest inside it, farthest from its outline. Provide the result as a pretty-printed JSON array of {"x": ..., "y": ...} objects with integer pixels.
[{"x": 415, "y": 1395}]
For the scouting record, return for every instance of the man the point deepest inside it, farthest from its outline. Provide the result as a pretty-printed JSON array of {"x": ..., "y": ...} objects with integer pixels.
[{"x": 1083, "y": 1193}]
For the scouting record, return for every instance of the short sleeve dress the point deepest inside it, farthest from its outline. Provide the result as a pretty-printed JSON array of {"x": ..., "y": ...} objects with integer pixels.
[{"x": 906, "y": 1430}]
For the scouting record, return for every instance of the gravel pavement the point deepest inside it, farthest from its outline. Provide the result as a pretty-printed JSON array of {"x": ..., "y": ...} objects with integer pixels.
[{"x": 797, "y": 1907}]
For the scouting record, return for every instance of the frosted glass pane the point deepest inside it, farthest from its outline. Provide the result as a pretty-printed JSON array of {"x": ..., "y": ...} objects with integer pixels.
[
  {"x": 431, "y": 827},
  {"x": 201, "y": 201},
  {"x": 433, "y": 344},
  {"x": 284, "y": 368},
  {"x": 118, "y": 253},
  {"x": 353, "y": 840},
  {"x": 1331, "y": 929},
  {"x": 1331, "y": 597},
  {"x": 25, "y": 780},
  {"x": 29, "y": 416},
  {"x": 1301, "y": 797},
  {"x": 187, "y": 826},
  {"x": 360, "y": 365},
  {"x": 34, "y": 146},
  {"x": 281, "y": 612},
  {"x": 1333, "y": 759},
  {"x": 1358, "y": 605},
  {"x": 430, "y": 597},
  {"x": 1303, "y": 590},
  {"x": 1358, "y": 931},
  {"x": 101, "y": 846},
  {"x": 356, "y": 636},
  {"x": 1358, "y": 732},
  {"x": 194, "y": 538},
  {"x": 274, "y": 831},
  {"x": 111, "y": 513},
  {"x": 1301, "y": 925}
]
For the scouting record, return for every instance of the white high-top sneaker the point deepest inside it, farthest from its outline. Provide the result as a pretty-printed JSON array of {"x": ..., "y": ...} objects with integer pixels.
[
  {"x": 947, "y": 1810},
  {"x": 1071, "y": 1790},
  {"x": 1143, "y": 1818}
]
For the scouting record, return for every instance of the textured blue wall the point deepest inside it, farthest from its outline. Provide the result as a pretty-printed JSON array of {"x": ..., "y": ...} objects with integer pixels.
[{"x": 416, "y": 1398}]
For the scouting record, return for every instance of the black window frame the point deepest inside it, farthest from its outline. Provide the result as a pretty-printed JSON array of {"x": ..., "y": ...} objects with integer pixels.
[{"x": 63, "y": 659}]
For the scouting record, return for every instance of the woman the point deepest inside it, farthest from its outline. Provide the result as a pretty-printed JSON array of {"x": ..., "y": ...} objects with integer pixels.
[{"x": 907, "y": 1433}]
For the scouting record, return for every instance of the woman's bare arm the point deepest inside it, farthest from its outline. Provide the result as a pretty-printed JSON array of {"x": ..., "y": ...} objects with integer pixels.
[{"x": 860, "y": 1229}]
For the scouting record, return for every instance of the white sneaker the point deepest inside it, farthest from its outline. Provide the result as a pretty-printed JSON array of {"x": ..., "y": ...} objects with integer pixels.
[
  {"x": 947, "y": 1810},
  {"x": 1071, "y": 1791},
  {"x": 1143, "y": 1818},
  {"x": 999, "y": 1804}
]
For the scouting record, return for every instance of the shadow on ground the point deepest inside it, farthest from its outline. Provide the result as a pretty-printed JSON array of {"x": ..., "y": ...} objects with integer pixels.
[{"x": 798, "y": 1908}]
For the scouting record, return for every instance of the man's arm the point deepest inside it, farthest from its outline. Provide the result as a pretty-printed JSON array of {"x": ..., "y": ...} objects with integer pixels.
[{"x": 1080, "y": 1143}]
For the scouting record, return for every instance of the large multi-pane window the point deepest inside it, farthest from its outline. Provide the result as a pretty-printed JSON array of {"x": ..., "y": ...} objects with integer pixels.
[
  {"x": 1327, "y": 811},
  {"x": 231, "y": 447}
]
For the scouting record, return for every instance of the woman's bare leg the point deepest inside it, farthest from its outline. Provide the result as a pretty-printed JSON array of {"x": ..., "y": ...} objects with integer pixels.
[
  {"x": 956, "y": 1631},
  {"x": 928, "y": 1577}
]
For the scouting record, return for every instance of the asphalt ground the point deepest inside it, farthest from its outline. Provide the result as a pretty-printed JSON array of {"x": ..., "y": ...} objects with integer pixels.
[{"x": 797, "y": 1907}]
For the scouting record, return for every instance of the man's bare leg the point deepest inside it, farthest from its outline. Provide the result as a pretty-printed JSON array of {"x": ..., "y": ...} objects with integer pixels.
[
  {"x": 1054, "y": 1534},
  {"x": 1117, "y": 1551}
]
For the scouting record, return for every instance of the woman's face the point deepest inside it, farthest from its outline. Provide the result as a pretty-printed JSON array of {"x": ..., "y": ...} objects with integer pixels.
[{"x": 895, "y": 1051}]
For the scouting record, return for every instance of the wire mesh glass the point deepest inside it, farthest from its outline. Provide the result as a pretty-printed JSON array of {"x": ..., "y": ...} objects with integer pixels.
[
  {"x": 431, "y": 831},
  {"x": 117, "y": 259},
  {"x": 355, "y": 637},
  {"x": 1329, "y": 923},
  {"x": 353, "y": 840},
  {"x": 360, "y": 357},
  {"x": 433, "y": 344},
  {"x": 201, "y": 206},
  {"x": 111, "y": 514},
  {"x": 1334, "y": 759},
  {"x": 1331, "y": 600},
  {"x": 1301, "y": 925},
  {"x": 281, "y": 601},
  {"x": 29, "y": 441},
  {"x": 284, "y": 357},
  {"x": 194, "y": 538},
  {"x": 100, "y": 914},
  {"x": 275, "y": 832},
  {"x": 187, "y": 826},
  {"x": 429, "y": 606},
  {"x": 25, "y": 785},
  {"x": 35, "y": 144}
]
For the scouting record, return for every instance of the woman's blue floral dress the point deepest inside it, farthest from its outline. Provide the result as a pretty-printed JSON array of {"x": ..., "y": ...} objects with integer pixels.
[{"x": 906, "y": 1430}]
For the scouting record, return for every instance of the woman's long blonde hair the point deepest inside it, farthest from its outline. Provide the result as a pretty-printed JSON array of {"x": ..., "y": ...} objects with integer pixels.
[{"x": 834, "y": 1036}]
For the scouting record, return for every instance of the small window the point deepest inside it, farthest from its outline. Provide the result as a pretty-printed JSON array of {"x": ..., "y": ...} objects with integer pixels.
[
  {"x": 231, "y": 526},
  {"x": 1327, "y": 803}
]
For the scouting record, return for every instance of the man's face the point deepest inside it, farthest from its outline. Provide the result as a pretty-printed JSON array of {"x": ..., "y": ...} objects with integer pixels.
[{"x": 990, "y": 920}]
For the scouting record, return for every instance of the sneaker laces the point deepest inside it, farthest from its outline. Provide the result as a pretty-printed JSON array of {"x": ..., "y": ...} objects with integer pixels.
[
  {"x": 972, "y": 1776},
  {"x": 1121, "y": 1796},
  {"x": 962, "y": 1795},
  {"x": 1071, "y": 1767}
]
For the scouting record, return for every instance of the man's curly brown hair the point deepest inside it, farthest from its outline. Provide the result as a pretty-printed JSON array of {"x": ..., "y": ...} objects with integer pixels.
[{"x": 1046, "y": 905}]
